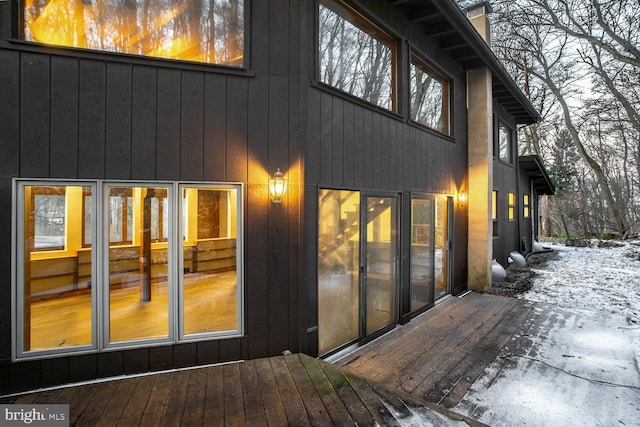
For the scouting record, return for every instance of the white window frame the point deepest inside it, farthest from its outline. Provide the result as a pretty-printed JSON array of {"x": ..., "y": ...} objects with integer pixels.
[
  {"x": 100, "y": 267},
  {"x": 239, "y": 262}
]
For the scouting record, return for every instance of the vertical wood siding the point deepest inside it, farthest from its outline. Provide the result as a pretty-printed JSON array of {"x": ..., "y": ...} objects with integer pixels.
[{"x": 75, "y": 115}]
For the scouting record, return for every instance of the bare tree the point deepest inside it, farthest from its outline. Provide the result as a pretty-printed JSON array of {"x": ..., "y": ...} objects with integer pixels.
[{"x": 585, "y": 54}]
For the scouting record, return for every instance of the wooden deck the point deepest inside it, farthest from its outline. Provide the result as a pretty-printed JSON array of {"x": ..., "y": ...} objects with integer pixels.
[
  {"x": 278, "y": 391},
  {"x": 407, "y": 377},
  {"x": 439, "y": 355}
]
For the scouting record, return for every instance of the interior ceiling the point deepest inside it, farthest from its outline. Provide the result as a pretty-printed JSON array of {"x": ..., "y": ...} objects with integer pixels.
[{"x": 447, "y": 25}]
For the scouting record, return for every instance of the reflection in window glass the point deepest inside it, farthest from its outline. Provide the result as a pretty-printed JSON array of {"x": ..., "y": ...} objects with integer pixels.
[
  {"x": 61, "y": 302},
  {"x": 421, "y": 253},
  {"x": 355, "y": 56},
  {"x": 338, "y": 268},
  {"x": 504, "y": 140},
  {"x": 210, "y": 261},
  {"x": 138, "y": 288},
  {"x": 210, "y": 31},
  {"x": 48, "y": 218},
  {"x": 55, "y": 285},
  {"x": 429, "y": 97}
]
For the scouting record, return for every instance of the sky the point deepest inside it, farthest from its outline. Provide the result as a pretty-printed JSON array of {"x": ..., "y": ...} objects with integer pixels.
[{"x": 579, "y": 361}]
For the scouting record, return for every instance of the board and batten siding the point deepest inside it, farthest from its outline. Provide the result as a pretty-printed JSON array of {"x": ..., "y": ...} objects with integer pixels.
[{"x": 71, "y": 114}]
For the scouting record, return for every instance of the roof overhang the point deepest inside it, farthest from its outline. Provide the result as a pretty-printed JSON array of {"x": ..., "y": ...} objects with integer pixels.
[
  {"x": 444, "y": 22},
  {"x": 533, "y": 167}
]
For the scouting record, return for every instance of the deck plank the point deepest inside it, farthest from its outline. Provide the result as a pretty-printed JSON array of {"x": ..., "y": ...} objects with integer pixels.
[
  {"x": 387, "y": 360},
  {"x": 460, "y": 379},
  {"x": 423, "y": 373},
  {"x": 98, "y": 404},
  {"x": 331, "y": 401},
  {"x": 370, "y": 398},
  {"x": 195, "y": 397},
  {"x": 214, "y": 396},
  {"x": 254, "y": 411},
  {"x": 233, "y": 399},
  {"x": 381, "y": 351},
  {"x": 176, "y": 400},
  {"x": 358, "y": 410},
  {"x": 137, "y": 402},
  {"x": 274, "y": 408},
  {"x": 116, "y": 404},
  {"x": 293, "y": 406},
  {"x": 157, "y": 399},
  {"x": 318, "y": 415},
  {"x": 81, "y": 402},
  {"x": 436, "y": 357}
]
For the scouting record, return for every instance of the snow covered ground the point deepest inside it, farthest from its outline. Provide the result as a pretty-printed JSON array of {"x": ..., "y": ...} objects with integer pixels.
[{"x": 579, "y": 363}]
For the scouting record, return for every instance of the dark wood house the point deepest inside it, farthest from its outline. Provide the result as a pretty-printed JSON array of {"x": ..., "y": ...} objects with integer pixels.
[{"x": 187, "y": 183}]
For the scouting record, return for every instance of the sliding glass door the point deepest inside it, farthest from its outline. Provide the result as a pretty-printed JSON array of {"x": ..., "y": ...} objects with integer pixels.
[
  {"x": 429, "y": 249},
  {"x": 380, "y": 263},
  {"x": 357, "y": 266}
]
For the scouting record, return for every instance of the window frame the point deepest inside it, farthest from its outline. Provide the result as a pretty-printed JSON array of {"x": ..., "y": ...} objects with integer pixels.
[
  {"x": 361, "y": 20},
  {"x": 18, "y": 33},
  {"x": 417, "y": 60},
  {"x": 180, "y": 243},
  {"x": 18, "y": 274},
  {"x": 100, "y": 267},
  {"x": 526, "y": 206}
]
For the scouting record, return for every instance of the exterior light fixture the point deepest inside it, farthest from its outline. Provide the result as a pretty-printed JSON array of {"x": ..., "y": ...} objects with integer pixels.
[
  {"x": 277, "y": 186},
  {"x": 462, "y": 198}
]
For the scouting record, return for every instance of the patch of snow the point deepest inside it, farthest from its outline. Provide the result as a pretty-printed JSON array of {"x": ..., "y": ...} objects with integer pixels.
[{"x": 579, "y": 364}]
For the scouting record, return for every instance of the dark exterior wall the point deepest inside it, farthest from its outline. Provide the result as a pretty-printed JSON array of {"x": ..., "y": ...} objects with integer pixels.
[
  {"x": 505, "y": 181},
  {"x": 356, "y": 146},
  {"x": 69, "y": 114}
]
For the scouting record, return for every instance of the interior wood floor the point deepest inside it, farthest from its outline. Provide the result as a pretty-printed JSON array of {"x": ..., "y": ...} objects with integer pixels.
[
  {"x": 438, "y": 355},
  {"x": 210, "y": 304}
]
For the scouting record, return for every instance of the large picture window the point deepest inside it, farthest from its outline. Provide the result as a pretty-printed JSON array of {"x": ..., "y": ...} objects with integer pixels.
[
  {"x": 429, "y": 96},
  {"x": 210, "y": 31},
  {"x": 356, "y": 56},
  {"x": 144, "y": 283}
]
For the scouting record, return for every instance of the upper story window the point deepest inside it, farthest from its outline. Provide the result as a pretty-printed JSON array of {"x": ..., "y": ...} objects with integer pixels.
[
  {"x": 355, "y": 55},
  {"x": 429, "y": 96},
  {"x": 209, "y": 31},
  {"x": 505, "y": 143}
]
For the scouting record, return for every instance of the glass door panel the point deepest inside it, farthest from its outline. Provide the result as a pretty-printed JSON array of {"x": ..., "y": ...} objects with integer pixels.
[
  {"x": 422, "y": 253},
  {"x": 338, "y": 262},
  {"x": 441, "y": 245},
  {"x": 380, "y": 263}
]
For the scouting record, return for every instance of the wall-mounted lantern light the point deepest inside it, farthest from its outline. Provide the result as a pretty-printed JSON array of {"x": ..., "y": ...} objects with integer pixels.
[
  {"x": 277, "y": 186},
  {"x": 462, "y": 198}
]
